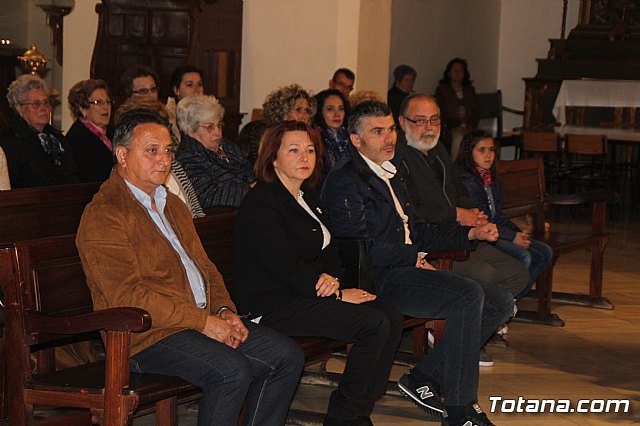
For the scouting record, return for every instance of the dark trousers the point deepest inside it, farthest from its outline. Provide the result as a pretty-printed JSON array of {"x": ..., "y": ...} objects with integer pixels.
[
  {"x": 490, "y": 265},
  {"x": 472, "y": 310},
  {"x": 374, "y": 328},
  {"x": 267, "y": 366}
]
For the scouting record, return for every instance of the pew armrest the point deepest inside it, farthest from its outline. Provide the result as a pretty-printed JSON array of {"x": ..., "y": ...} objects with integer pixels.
[{"x": 123, "y": 319}]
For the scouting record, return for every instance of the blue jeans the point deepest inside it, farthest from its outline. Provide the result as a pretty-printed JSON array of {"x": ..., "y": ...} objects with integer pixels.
[
  {"x": 472, "y": 310},
  {"x": 267, "y": 366},
  {"x": 374, "y": 328},
  {"x": 536, "y": 258}
]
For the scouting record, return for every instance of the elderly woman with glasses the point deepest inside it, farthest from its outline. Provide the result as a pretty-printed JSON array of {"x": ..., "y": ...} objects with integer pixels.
[
  {"x": 37, "y": 154},
  {"x": 139, "y": 82},
  {"x": 90, "y": 135},
  {"x": 217, "y": 168}
]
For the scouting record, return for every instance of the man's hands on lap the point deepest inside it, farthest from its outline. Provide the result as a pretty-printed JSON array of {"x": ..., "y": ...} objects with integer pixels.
[
  {"x": 488, "y": 232},
  {"x": 227, "y": 328},
  {"x": 471, "y": 217}
]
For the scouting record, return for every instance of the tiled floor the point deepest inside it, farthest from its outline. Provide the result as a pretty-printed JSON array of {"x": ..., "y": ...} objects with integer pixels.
[{"x": 595, "y": 356}]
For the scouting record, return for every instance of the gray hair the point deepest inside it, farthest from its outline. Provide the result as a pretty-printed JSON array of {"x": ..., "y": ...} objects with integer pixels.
[
  {"x": 196, "y": 109},
  {"x": 18, "y": 89},
  {"x": 365, "y": 110}
]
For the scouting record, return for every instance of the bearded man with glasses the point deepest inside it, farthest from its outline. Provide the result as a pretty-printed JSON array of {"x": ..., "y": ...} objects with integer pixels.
[
  {"x": 37, "y": 153},
  {"x": 424, "y": 165}
]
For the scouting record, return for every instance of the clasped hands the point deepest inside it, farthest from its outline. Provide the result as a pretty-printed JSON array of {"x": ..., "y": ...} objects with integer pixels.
[
  {"x": 482, "y": 228},
  {"x": 330, "y": 286},
  {"x": 226, "y": 328}
]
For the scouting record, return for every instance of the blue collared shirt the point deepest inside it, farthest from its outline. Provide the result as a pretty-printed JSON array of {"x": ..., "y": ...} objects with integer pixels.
[{"x": 193, "y": 273}]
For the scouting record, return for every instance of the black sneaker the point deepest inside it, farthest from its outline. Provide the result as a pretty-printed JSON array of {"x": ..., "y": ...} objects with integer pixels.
[
  {"x": 485, "y": 359},
  {"x": 424, "y": 394},
  {"x": 473, "y": 416}
]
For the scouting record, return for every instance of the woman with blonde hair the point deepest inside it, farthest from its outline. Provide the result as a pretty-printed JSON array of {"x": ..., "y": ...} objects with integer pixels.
[{"x": 290, "y": 102}]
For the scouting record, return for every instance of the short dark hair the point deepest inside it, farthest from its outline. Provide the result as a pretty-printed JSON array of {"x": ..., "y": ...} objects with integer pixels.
[
  {"x": 131, "y": 119},
  {"x": 125, "y": 85},
  {"x": 401, "y": 70},
  {"x": 321, "y": 98},
  {"x": 270, "y": 144},
  {"x": 81, "y": 91},
  {"x": 465, "y": 154},
  {"x": 344, "y": 71},
  {"x": 365, "y": 110},
  {"x": 466, "y": 79},
  {"x": 178, "y": 73}
]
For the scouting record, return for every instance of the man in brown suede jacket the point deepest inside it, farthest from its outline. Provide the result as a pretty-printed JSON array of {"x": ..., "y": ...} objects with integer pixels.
[{"x": 139, "y": 248}]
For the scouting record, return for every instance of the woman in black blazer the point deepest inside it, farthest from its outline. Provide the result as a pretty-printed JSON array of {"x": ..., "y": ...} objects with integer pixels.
[
  {"x": 288, "y": 272},
  {"x": 90, "y": 135}
]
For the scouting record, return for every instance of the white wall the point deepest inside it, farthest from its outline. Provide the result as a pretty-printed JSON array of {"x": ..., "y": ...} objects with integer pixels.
[
  {"x": 526, "y": 27},
  {"x": 374, "y": 45},
  {"x": 426, "y": 34},
  {"x": 80, "y": 29},
  {"x": 303, "y": 41},
  {"x": 499, "y": 38}
]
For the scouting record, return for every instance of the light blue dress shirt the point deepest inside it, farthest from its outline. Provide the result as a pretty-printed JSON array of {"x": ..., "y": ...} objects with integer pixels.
[{"x": 193, "y": 273}]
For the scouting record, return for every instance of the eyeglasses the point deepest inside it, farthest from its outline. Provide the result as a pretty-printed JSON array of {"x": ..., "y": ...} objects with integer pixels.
[
  {"x": 145, "y": 91},
  {"x": 434, "y": 120},
  {"x": 38, "y": 104},
  {"x": 211, "y": 126},
  {"x": 101, "y": 102}
]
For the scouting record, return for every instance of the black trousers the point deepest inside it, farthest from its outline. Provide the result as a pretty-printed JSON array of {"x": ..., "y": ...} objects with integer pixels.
[{"x": 374, "y": 328}]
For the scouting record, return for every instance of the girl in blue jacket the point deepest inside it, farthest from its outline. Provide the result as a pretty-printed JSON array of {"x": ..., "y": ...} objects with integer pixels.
[{"x": 477, "y": 172}]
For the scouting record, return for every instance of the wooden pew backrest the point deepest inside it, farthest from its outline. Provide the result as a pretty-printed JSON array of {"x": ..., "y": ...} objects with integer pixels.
[{"x": 50, "y": 211}]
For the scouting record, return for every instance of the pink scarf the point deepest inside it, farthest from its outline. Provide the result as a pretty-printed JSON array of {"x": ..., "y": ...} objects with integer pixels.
[{"x": 98, "y": 131}]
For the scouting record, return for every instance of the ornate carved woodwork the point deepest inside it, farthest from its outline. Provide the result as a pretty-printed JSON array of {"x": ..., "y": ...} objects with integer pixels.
[{"x": 165, "y": 34}]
